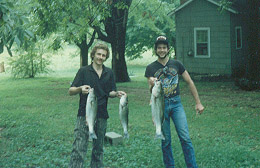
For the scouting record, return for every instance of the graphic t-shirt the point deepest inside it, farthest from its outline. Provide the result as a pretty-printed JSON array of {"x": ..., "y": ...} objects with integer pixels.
[{"x": 168, "y": 75}]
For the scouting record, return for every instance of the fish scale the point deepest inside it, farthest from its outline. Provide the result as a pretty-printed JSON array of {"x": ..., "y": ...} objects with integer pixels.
[
  {"x": 157, "y": 107},
  {"x": 123, "y": 114},
  {"x": 91, "y": 113}
]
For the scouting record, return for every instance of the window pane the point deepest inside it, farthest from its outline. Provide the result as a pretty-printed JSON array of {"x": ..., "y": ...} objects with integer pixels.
[
  {"x": 202, "y": 49},
  {"x": 202, "y": 42},
  {"x": 202, "y": 36}
]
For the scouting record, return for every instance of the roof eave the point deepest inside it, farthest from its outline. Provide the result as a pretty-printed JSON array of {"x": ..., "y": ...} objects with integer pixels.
[
  {"x": 189, "y": 1},
  {"x": 180, "y": 7},
  {"x": 219, "y": 5}
]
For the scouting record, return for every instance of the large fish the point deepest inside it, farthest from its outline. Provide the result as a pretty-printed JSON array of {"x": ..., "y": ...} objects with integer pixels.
[
  {"x": 123, "y": 114},
  {"x": 91, "y": 113},
  {"x": 157, "y": 106}
]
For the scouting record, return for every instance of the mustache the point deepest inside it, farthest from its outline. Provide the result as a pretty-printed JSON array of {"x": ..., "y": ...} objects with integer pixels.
[{"x": 165, "y": 54}]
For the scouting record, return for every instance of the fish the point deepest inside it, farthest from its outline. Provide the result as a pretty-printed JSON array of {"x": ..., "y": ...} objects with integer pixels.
[
  {"x": 157, "y": 108},
  {"x": 123, "y": 114},
  {"x": 91, "y": 113}
]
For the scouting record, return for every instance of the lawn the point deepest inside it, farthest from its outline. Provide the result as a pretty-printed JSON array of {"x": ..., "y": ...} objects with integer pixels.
[{"x": 37, "y": 119}]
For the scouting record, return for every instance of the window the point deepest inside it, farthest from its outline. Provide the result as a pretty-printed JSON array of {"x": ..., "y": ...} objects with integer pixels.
[
  {"x": 202, "y": 42},
  {"x": 238, "y": 37}
]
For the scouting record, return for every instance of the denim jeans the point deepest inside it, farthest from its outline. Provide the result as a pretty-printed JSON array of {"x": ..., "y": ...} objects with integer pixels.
[{"x": 174, "y": 110}]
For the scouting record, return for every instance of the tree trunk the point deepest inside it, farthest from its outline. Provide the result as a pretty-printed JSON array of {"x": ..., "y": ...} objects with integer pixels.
[
  {"x": 84, "y": 47},
  {"x": 118, "y": 62},
  {"x": 115, "y": 27},
  {"x": 254, "y": 40},
  {"x": 83, "y": 53},
  {"x": 252, "y": 76}
]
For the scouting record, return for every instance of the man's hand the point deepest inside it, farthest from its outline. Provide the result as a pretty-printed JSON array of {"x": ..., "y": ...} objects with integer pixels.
[
  {"x": 120, "y": 93},
  {"x": 85, "y": 89},
  {"x": 151, "y": 81},
  {"x": 199, "y": 108}
]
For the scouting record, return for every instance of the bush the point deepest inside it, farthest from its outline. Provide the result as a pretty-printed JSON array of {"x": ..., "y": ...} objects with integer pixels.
[
  {"x": 246, "y": 84},
  {"x": 29, "y": 62}
]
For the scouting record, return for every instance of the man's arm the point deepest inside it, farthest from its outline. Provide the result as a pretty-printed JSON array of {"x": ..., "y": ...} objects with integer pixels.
[
  {"x": 76, "y": 90},
  {"x": 114, "y": 94},
  {"x": 199, "y": 107},
  {"x": 150, "y": 81}
]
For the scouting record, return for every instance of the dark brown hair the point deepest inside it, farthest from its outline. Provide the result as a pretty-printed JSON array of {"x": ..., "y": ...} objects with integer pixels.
[{"x": 161, "y": 40}]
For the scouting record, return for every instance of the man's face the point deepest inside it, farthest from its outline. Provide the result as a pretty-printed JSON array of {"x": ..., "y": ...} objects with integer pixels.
[
  {"x": 162, "y": 50},
  {"x": 100, "y": 57}
]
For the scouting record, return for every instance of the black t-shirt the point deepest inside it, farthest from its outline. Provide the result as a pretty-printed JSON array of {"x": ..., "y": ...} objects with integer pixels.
[
  {"x": 102, "y": 86},
  {"x": 168, "y": 74}
]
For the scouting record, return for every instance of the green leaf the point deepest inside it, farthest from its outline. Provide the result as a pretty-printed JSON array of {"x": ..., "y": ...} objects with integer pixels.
[
  {"x": 9, "y": 51},
  {"x": 29, "y": 33},
  {"x": 1, "y": 47},
  {"x": 18, "y": 41},
  {"x": 5, "y": 18}
]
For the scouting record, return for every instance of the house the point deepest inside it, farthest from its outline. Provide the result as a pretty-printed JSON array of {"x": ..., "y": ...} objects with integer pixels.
[{"x": 209, "y": 41}]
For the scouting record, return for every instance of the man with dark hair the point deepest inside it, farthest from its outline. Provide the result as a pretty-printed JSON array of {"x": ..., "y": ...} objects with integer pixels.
[
  {"x": 100, "y": 78},
  {"x": 168, "y": 71}
]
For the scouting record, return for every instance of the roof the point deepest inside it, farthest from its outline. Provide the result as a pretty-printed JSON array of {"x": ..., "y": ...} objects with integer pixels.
[{"x": 215, "y": 2}]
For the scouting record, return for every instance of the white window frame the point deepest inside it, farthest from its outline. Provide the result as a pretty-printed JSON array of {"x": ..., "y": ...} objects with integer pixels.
[
  {"x": 195, "y": 42},
  {"x": 236, "y": 28}
]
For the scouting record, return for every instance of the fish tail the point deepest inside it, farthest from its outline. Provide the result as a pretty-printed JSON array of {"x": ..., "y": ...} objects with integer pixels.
[
  {"x": 159, "y": 136},
  {"x": 126, "y": 135}
]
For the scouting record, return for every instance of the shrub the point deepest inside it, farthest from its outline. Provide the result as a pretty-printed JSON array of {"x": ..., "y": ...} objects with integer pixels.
[{"x": 29, "y": 62}]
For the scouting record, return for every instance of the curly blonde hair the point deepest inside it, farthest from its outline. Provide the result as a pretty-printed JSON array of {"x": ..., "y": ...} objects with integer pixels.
[{"x": 99, "y": 46}]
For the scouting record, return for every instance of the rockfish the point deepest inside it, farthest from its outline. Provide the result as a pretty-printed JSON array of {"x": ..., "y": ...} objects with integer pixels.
[
  {"x": 91, "y": 113},
  {"x": 157, "y": 106},
  {"x": 123, "y": 114}
]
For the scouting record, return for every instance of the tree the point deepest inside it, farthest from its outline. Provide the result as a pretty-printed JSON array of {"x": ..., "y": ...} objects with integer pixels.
[
  {"x": 253, "y": 15},
  {"x": 251, "y": 12},
  {"x": 75, "y": 20},
  {"x": 30, "y": 61},
  {"x": 147, "y": 20},
  {"x": 71, "y": 20},
  {"x": 115, "y": 33},
  {"x": 12, "y": 26},
  {"x": 133, "y": 36},
  {"x": 15, "y": 29}
]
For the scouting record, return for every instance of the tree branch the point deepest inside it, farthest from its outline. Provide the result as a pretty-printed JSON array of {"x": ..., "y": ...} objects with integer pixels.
[
  {"x": 92, "y": 39},
  {"x": 101, "y": 35}
]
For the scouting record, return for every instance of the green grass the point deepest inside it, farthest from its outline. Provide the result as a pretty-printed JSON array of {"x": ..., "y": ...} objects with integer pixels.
[{"x": 38, "y": 118}]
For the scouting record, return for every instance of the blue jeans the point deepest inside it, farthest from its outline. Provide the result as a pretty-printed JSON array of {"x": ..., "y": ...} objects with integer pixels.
[{"x": 175, "y": 111}]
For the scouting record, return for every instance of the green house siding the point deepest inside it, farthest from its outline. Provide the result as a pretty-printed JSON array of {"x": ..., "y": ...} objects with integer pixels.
[{"x": 203, "y": 14}]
